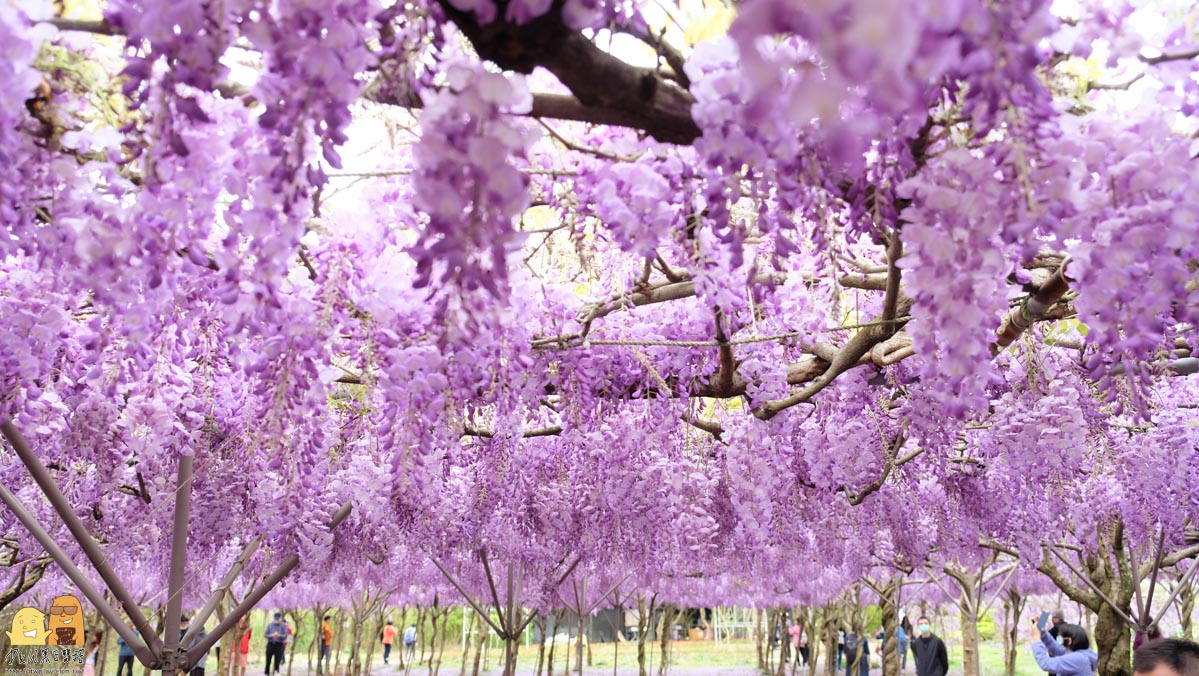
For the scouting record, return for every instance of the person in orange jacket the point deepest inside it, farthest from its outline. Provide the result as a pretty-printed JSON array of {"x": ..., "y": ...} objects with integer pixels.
[
  {"x": 326, "y": 646},
  {"x": 389, "y": 635}
]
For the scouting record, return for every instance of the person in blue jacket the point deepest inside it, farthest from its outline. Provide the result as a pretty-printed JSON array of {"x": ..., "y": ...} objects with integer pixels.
[
  {"x": 1069, "y": 655},
  {"x": 125, "y": 654}
]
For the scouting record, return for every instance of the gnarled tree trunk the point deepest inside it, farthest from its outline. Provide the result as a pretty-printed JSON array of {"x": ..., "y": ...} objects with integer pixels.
[
  {"x": 1013, "y": 608},
  {"x": 829, "y": 632},
  {"x": 645, "y": 614}
]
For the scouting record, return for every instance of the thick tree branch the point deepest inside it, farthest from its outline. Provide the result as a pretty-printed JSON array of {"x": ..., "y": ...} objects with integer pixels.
[
  {"x": 1087, "y": 598},
  {"x": 847, "y": 357},
  {"x": 100, "y": 27},
  {"x": 29, "y": 575},
  {"x": 728, "y": 362},
  {"x": 1176, "y": 56},
  {"x": 1175, "y": 557},
  {"x": 710, "y": 427},
  {"x": 598, "y": 80},
  {"x": 474, "y": 431},
  {"x": 1035, "y": 307}
]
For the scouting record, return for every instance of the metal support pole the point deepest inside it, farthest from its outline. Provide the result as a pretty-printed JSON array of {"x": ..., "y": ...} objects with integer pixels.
[
  {"x": 223, "y": 588},
  {"x": 252, "y": 599},
  {"x": 1157, "y": 567},
  {"x": 89, "y": 546},
  {"x": 183, "y": 502},
  {"x": 486, "y": 617},
  {"x": 144, "y": 654},
  {"x": 499, "y": 609}
]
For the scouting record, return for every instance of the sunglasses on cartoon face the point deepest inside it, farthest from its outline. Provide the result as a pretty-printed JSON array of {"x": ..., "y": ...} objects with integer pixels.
[{"x": 63, "y": 610}]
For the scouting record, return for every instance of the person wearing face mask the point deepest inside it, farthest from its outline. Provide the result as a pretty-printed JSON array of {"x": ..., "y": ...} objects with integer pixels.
[
  {"x": 929, "y": 651},
  {"x": 1068, "y": 655}
]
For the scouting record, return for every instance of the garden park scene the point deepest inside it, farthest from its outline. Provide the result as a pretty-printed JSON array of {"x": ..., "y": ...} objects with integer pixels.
[{"x": 638, "y": 337}]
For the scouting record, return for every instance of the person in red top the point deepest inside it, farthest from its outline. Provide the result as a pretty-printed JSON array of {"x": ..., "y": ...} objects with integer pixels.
[
  {"x": 243, "y": 647},
  {"x": 389, "y": 635}
]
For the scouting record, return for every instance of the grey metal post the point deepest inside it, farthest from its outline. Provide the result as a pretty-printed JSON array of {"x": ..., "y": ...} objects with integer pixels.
[
  {"x": 171, "y": 651},
  {"x": 76, "y": 576},
  {"x": 61, "y": 505},
  {"x": 252, "y": 599},
  {"x": 202, "y": 616}
]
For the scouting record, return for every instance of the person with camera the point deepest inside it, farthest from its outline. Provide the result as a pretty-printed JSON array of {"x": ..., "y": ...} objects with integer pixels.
[{"x": 1067, "y": 655}]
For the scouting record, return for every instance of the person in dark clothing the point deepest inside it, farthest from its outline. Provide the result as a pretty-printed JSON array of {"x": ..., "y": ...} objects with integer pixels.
[
  {"x": 840, "y": 647},
  {"x": 857, "y": 652},
  {"x": 198, "y": 669},
  {"x": 1152, "y": 634},
  {"x": 905, "y": 635},
  {"x": 125, "y": 654},
  {"x": 276, "y": 639},
  {"x": 1166, "y": 657},
  {"x": 929, "y": 651},
  {"x": 1057, "y": 619}
]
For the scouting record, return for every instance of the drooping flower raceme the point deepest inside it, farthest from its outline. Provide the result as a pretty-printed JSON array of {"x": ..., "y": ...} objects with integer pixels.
[{"x": 467, "y": 183}]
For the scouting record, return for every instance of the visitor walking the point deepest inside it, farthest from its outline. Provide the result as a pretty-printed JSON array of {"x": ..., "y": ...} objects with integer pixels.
[
  {"x": 928, "y": 651},
  {"x": 857, "y": 655},
  {"x": 198, "y": 668},
  {"x": 840, "y": 646},
  {"x": 93, "y": 648},
  {"x": 1069, "y": 655},
  {"x": 287, "y": 640},
  {"x": 799, "y": 642},
  {"x": 244, "y": 632},
  {"x": 410, "y": 642},
  {"x": 389, "y": 635},
  {"x": 905, "y": 633},
  {"x": 1166, "y": 657},
  {"x": 125, "y": 653},
  {"x": 326, "y": 653},
  {"x": 276, "y": 639}
]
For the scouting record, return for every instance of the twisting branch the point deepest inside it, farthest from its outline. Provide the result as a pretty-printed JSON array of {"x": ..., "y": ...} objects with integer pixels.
[
  {"x": 1092, "y": 86},
  {"x": 578, "y": 147},
  {"x": 728, "y": 362},
  {"x": 1033, "y": 308},
  {"x": 846, "y": 358},
  {"x": 888, "y": 466},
  {"x": 1176, "y": 56},
  {"x": 710, "y": 427},
  {"x": 673, "y": 57},
  {"x": 894, "y": 274},
  {"x": 29, "y": 575}
]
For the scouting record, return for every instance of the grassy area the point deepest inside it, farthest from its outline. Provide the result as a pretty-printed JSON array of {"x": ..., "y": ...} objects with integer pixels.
[{"x": 990, "y": 657}]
